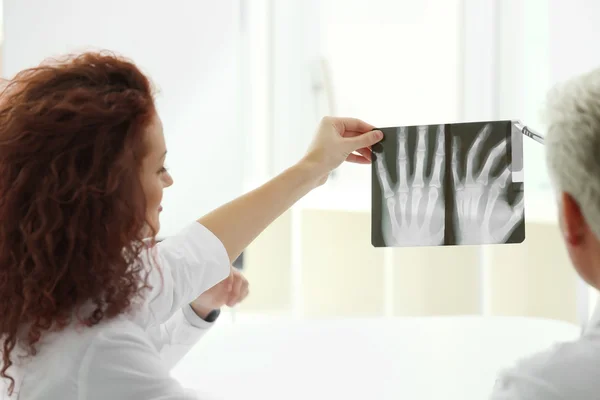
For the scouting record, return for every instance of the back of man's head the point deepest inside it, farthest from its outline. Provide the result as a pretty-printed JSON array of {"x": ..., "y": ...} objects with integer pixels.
[
  {"x": 573, "y": 142},
  {"x": 573, "y": 160}
]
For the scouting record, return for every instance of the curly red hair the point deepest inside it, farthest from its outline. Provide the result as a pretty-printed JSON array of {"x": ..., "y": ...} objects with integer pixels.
[{"x": 72, "y": 208}]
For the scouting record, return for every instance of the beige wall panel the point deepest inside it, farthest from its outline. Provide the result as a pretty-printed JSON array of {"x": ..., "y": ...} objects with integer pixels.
[{"x": 342, "y": 274}]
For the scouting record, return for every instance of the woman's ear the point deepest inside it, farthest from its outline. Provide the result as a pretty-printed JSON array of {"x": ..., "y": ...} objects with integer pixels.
[{"x": 573, "y": 222}]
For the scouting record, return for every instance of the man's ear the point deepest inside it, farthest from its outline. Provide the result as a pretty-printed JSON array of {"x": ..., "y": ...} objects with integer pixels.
[{"x": 574, "y": 225}]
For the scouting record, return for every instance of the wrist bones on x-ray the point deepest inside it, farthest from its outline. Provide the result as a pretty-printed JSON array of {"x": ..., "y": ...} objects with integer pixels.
[
  {"x": 404, "y": 225},
  {"x": 478, "y": 224}
]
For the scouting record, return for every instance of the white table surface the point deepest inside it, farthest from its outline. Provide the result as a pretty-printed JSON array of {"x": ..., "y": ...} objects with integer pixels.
[{"x": 402, "y": 358}]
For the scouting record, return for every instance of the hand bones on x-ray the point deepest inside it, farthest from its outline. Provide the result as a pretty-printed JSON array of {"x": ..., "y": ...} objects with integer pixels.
[
  {"x": 496, "y": 220},
  {"x": 413, "y": 212}
]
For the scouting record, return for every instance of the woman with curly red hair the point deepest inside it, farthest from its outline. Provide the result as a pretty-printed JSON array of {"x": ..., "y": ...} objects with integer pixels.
[{"x": 90, "y": 306}]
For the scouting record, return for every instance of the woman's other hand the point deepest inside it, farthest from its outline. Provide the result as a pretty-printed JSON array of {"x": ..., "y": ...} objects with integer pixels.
[
  {"x": 229, "y": 292},
  {"x": 337, "y": 140}
]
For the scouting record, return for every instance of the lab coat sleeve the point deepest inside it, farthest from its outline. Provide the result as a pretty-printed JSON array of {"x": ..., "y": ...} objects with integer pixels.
[
  {"x": 176, "y": 337},
  {"x": 180, "y": 269},
  {"x": 125, "y": 365}
]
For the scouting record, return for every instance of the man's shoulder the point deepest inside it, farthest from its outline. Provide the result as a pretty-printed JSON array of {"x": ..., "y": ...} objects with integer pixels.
[{"x": 568, "y": 370}]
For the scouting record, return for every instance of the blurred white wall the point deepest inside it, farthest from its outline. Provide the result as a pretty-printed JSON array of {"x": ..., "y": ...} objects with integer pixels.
[
  {"x": 392, "y": 63},
  {"x": 295, "y": 51},
  {"x": 574, "y": 31},
  {"x": 190, "y": 48}
]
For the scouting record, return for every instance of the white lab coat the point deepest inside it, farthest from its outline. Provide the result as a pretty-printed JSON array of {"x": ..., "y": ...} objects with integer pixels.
[{"x": 130, "y": 357}]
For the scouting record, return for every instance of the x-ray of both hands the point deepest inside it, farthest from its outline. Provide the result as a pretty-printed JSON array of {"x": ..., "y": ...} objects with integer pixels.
[{"x": 414, "y": 210}]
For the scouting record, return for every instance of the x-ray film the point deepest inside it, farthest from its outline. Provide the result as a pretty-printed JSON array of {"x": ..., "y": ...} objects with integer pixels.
[{"x": 448, "y": 184}]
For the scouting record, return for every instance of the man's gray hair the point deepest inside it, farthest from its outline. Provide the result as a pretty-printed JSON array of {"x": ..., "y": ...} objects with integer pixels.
[{"x": 573, "y": 142}]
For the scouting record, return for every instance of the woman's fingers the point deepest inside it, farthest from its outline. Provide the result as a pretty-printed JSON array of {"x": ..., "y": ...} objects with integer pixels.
[
  {"x": 335, "y": 142},
  {"x": 239, "y": 290},
  {"x": 347, "y": 125},
  {"x": 357, "y": 159},
  {"x": 365, "y": 152},
  {"x": 364, "y": 140},
  {"x": 229, "y": 280},
  {"x": 235, "y": 293},
  {"x": 245, "y": 290}
]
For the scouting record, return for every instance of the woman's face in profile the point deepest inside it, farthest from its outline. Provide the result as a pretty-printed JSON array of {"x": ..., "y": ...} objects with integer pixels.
[{"x": 154, "y": 176}]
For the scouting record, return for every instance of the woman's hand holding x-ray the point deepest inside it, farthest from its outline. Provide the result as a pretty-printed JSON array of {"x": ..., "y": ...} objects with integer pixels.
[
  {"x": 339, "y": 140},
  {"x": 413, "y": 212},
  {"x": 484, "y": 215}
]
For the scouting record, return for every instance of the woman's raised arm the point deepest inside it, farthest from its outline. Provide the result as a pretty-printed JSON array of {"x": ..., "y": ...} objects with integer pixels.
[{"x": 240, "y": 221}]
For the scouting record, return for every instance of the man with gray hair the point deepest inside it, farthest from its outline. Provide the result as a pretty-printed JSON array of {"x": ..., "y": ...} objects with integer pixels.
[{"x": 569, "y": 370}]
